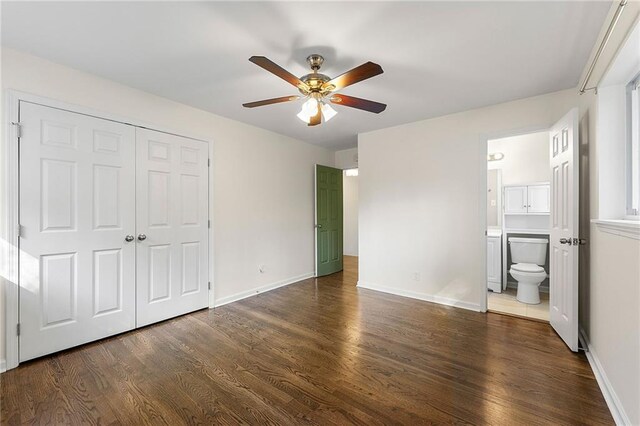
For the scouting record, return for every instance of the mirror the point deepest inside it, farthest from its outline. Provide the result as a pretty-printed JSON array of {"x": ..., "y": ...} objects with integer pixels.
[{"x": 494, "y": 198}]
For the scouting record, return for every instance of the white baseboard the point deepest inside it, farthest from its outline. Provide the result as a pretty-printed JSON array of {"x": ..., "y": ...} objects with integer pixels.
[
  {"x": 262, "y": 289},
  {"x": 610, "y": 397},
  {"x": 421, "y": 296},
  {"x": 3, "y": 365}
]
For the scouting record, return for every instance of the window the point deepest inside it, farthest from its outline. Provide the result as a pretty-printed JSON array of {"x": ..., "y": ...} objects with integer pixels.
[{"x": 633, "y": 148}]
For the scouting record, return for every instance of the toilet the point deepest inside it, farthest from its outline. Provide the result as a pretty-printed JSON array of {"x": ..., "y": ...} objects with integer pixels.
[{"x": 527, "y": 256}]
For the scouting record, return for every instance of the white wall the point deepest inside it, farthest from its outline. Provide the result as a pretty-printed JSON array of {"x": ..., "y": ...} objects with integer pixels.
[
  {"x": 419, "y": 201},
  {"x": 526, "y": 158},
  {"x": 263, "y": 181},
  {"x": 422, "y": 224},
  {"x": 421, "y": 232},
  {"x": 610, "y": 290},
  {"x": 611, "y": 316},
  {"x": 346, "y": 159},
  {"x": 350, "y": 211}
]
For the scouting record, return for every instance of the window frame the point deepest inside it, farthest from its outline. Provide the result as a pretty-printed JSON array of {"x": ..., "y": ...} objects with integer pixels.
[{"x": 633, "y": 138}]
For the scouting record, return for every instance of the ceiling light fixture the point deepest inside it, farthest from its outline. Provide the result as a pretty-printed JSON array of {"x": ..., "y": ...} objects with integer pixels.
[
  {"x": 310, "y": 110},
  {"x": 319, "y": 89},
  {"x": 496, "y": 156},
  {"x": 327, "y": 112}
]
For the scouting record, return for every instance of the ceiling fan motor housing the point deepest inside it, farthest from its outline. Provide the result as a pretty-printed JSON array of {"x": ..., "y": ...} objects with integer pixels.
[
  {"x": 315, "y": 61},
  {"x": 315, "y": 81}
]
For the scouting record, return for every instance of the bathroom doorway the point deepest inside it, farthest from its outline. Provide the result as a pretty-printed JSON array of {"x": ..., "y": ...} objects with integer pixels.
[
  {"x": 518, "y": 225},
  {"x": 532, "y": 256}
]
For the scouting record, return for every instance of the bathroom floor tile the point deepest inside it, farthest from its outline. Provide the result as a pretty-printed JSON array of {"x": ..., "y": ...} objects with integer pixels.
[{"x": 506, "y": 302}]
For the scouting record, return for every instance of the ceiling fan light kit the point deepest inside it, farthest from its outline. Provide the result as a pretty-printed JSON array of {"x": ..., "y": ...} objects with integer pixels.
[{"x": 318, "y": 89}]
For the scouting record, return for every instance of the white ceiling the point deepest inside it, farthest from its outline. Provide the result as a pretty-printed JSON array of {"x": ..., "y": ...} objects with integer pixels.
[{"x": 438, "y": 57}]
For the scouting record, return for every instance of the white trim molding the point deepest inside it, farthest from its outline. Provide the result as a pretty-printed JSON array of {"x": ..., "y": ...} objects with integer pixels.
[
  {"x": 622, "y": 228},
  {"x": 262, "y": 289},
  {"x": 3, "y": 365},
  {"x": 422, "y": 296},
  {"x": 9, "y": 244},
  {"x": 613, "y": 402}
]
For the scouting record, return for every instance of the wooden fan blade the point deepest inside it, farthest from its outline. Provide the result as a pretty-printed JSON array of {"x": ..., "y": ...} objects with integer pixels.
[
  {"x": 359, "y": 103},
  {"x": 316, "y": 119},
  {"x": 271, "y": 101},
  {"x": 276, "y": 69},
  {"x": 355, "y": 75}
]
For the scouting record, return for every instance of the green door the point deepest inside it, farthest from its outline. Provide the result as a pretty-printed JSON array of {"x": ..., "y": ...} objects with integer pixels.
[{"x": 328, "y": 220}]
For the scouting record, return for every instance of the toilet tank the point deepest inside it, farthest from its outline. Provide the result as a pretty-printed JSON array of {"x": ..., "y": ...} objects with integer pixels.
[{"x": 528, "y": 250}]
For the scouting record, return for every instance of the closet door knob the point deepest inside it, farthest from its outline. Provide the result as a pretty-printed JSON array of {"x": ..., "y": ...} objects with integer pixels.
[
  {"x": 129, "y": 238},
  {"x": 142, "y": 237}
]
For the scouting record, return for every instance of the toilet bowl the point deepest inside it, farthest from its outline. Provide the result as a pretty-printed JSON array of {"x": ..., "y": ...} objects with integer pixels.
[
  {"x": 529, "y": 277},
  {"x": 527, "y": 254}
]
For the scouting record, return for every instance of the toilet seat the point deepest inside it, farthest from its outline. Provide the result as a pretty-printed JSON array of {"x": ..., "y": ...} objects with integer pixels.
[{"x": 527, "y": 267}]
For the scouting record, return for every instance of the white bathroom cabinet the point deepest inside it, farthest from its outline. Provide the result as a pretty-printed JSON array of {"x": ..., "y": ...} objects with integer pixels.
[
  {"x": 494, "y": 263},
  {"x": 527, "y": 199}
]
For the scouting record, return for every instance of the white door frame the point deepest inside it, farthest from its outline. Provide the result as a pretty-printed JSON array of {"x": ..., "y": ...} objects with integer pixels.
[
  {"x": 9, "y": 243},
  {"x": 483, "y": 151}
]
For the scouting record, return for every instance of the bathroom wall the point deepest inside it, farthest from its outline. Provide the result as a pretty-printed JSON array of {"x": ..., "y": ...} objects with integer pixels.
[{"x": 526, "y": 158}]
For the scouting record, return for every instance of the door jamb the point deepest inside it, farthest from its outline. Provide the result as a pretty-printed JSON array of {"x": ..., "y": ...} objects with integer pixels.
[
  {"x": 9, "y": 241},
  {"x": 482, "y": 188},
  {"x": 315, "y": 220}
]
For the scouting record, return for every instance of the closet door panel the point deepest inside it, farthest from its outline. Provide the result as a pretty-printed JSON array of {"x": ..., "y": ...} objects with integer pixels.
[
  {"x": 77, "y": 204},
  {"x": 172, "y": 226}
]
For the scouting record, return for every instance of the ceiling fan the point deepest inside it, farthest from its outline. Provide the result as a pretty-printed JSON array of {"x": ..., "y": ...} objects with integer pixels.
[{"x": 318, "y": 89}]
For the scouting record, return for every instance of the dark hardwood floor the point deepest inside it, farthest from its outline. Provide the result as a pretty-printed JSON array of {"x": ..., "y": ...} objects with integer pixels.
[{"x": 317, "y": 352}]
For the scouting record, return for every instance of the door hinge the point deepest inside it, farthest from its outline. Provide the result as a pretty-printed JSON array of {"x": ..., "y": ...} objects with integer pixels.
[
  {"x": 208, "y": 162},
  {"x": 209, "y": 285},
  {"x": 18, "y": 329},
  {"x": 209, "y": 223},
  {"x": 18, "y": 128},
  {"x": 19, "y": 229}
]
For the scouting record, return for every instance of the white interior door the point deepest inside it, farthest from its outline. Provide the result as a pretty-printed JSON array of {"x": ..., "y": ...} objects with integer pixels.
[
  {"x": 77, "y": 205},
  {"x": 172, "y": 225},
  {"x": 564, "y": 149}
]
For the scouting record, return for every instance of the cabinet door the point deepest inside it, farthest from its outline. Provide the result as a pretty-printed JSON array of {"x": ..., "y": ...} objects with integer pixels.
[
  {"x": 493, "y": 259},
  {"x": 539, "y": 200},
  {"x": 515, "y": 199}
]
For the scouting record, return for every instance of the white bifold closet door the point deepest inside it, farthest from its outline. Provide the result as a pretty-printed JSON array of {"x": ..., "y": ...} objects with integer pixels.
[
  {"x": 77, "y": 204},
  {"x": 172, "y": 225},
  {"x": 114, "y": 228}
]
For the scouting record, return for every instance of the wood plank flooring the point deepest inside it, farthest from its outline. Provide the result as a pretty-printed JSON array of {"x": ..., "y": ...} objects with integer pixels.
[{"x": 316, "y": 352}]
